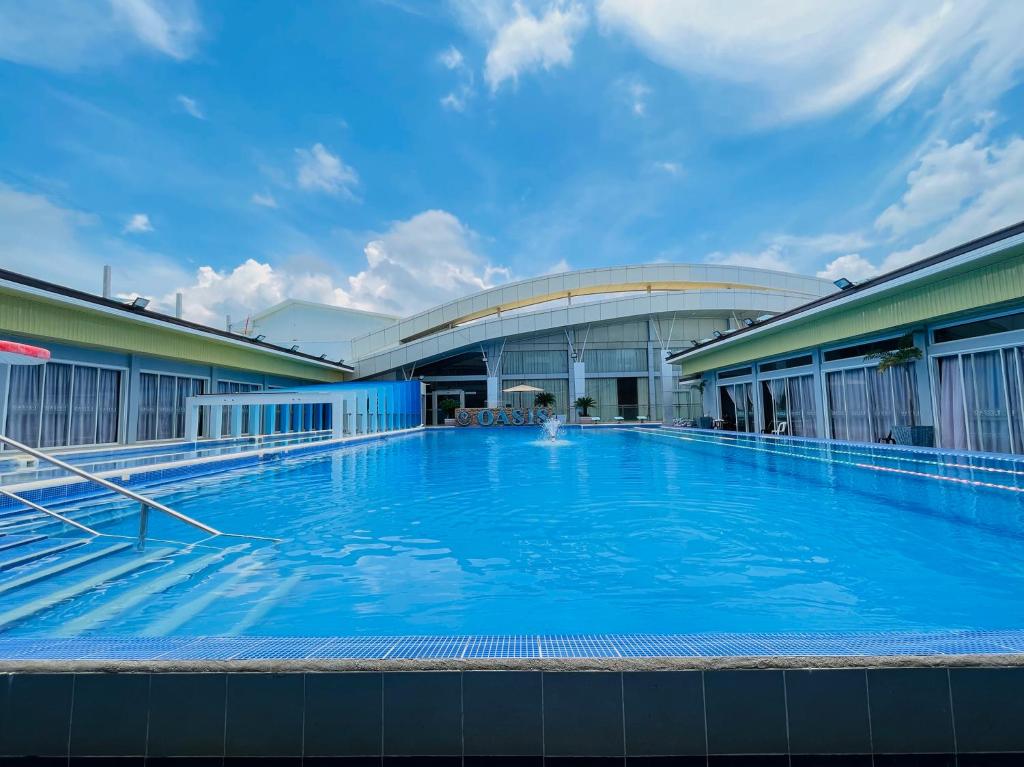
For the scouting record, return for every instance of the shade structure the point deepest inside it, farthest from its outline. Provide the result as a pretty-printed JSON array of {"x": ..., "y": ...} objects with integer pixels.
[
  {"x": 13, "y": 353},
  {"x": 522, "y": 387}
]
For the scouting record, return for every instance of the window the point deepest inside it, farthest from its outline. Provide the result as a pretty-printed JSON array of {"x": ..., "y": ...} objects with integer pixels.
[
  {"x": 534, "y": 362},
  {"x": 162, "y": 405},
  {"x": 979, "y": 400},
  {"x": 864, "y": 405},
  {"x": 977, "y": 328},
  {"x": 872, "y": 347},
  {"x": 60, "y": 404},
  {"x": 737, "y": 407},
  {"x": 790, "y": 401},
  {"x": 615, "y": 360},
  {"x": 792, "y": 362},
  {"x": 736, "y": 372}
]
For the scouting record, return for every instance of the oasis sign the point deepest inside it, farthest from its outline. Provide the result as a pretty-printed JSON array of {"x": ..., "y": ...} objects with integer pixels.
[{"x": 502, "y": 416}]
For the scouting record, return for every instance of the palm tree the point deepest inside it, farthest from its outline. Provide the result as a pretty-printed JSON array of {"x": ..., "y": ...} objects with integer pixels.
[
  {"x": 584, "y": 404},
  {"x": 544, "y": 399}
]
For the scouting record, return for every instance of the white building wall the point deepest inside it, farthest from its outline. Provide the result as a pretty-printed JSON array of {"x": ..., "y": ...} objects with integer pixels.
[{"x": 316, "y": 328}]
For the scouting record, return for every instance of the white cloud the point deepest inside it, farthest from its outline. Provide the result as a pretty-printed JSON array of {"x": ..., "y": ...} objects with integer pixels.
[
  {"x": 451, "y": 58},
  {"x": 191, "y": 106},
  {"x": 138, "y": 223},
  {"x": 803, "y": 58},
  {"x": 263, "y": 200},
  {"x": 319, "y": 170},
  {"x": 943, "y": 179},
  {"x": 834, "y": 242},
  {"x": 984, "y": 198},
  {"x": 458, "y": 98},
  {"x": 669, "y": 167},
  {"x": 795, "y": 253},
  {"x": 422, "y": 261},
  {"x": 852, "y": 266},
  {"x": 69, "y": 34},
  {"x": 531, "y": 42},
  {"x": 771, "y": 257},
  {"x": 53, "y": 242},
  {"x": 417, "y": 263},
  {"x": 636, "y": 94}
]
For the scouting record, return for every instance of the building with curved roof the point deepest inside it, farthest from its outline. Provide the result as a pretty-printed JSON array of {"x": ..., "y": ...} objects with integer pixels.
[{"x": 605, "y": 333}]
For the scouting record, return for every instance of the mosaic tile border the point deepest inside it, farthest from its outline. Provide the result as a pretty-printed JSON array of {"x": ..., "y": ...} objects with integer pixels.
[{"x": 454, "y": 647}]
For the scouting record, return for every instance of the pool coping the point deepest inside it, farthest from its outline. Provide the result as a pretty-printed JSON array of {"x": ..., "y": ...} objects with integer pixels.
[
  {"x": 656, "y": 663},
  {"x": 619, "y": 652}
]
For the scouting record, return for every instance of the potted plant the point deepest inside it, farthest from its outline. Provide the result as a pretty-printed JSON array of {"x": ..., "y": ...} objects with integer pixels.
[
  {"x": 904, "y": 353},
  {"x": 447, "y": 406},
  {"x": 583, "y": 405},
  {"x": 544, "y": 399}
]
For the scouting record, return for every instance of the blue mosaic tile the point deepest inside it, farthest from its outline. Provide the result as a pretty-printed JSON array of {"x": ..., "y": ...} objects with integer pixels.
[
  {"x": 842, "y": 644},
  {"x": 428, "y": 647},
  {"x": 583, "y": 646},
  {"x": 503, "y": 647},
  {"x": 653, "y": 646},
  {"x": 356, "y": 647}
]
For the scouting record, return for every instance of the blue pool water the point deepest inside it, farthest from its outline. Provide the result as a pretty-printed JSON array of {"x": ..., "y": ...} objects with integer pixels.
[{"x": 612, "y": 531}]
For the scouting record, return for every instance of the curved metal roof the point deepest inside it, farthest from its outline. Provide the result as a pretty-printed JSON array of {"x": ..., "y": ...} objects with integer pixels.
[{"x": 586, "y": 282}]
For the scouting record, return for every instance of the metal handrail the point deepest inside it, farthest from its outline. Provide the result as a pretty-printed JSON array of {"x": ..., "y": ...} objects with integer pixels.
[{"x": 146, "y": 503}]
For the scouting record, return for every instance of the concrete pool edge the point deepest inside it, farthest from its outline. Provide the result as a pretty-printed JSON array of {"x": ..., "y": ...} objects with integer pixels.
[{"x": 657, "y": 663}]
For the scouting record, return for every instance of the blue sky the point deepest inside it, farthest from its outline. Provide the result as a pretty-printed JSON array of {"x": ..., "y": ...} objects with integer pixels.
[{"x": 390, "y": 154}]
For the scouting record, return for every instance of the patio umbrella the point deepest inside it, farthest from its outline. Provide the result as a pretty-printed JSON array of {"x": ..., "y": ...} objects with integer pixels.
[{"x": 522, "y": 388}]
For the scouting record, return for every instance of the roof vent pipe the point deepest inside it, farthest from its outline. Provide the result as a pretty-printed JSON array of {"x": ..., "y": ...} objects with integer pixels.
[
  {"x": 227, "y": 321},
  {"x": 178, "y": 298},
  {"x": 106, "y": 281}
]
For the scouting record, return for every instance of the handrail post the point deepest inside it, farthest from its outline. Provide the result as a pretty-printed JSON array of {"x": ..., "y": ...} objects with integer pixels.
[{"x": 143, "y": 526}]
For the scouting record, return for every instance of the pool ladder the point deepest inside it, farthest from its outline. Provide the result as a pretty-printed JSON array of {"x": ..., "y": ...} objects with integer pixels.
[{"x": 145, "y": 504}]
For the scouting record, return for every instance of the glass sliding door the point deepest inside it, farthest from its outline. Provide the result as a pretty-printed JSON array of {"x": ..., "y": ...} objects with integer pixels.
[
  {"x": 60, "y": 404},
  {"x": 979, "y": 399},
  {"x": 737, "y": 406},
  {"x": 162, "y": 405},
  {"x": 987, "y": 411},
  {"x": 24, "y": 403},
  {"x": 789, "y": 401},
  {"x": 864, "y": 404}
]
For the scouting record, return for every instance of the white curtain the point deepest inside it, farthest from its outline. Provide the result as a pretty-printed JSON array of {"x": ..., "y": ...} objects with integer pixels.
[
  {"x": 952, "y": 424},
  {"x": 148, "y": 400},
  {"x": 83, "y": 406},
  {"x": 727, "y": 407},
  {"x": 881, "y": 405},
  {"x": 108, "y": 406},
  {"x": 56, "y": 404},
  {"x": 802, "y": 410},
  {"x": 24, "y": 402},
  {"x": 1012, "y": 358},
  {"x": 986, "y": 402}
]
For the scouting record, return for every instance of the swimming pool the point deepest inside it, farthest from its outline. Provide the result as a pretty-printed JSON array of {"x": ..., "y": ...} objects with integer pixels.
[{"x": 611, "y": 531}]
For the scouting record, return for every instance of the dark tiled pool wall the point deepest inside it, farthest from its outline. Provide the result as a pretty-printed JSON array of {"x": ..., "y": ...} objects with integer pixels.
[{"x": 925, "y": 717}]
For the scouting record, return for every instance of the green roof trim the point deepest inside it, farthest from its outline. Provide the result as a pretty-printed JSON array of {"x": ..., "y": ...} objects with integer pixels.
[
  {"x": 995, "y": 279},
  {"x": 51, "y": 318}
]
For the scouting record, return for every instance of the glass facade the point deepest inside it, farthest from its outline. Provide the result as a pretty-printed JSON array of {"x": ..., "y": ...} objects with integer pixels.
[
  {"x": 979, "y": 400},
  {"x": 61, "y": 404},
  {"x": 788, "y": 406},
  {"x": 162, "y": 404},
  {"x": 864, "y": 405},
  {"x": 737, "y": 407}
]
